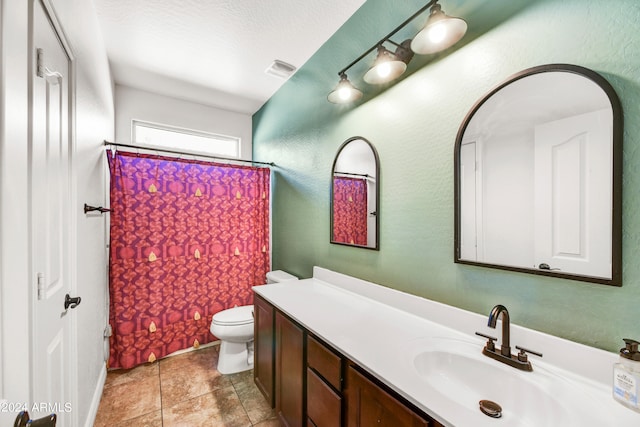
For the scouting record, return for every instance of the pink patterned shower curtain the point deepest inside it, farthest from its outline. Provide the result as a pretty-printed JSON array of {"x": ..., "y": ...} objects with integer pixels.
[
  {"x": 188, "y": 239},
  {"x": 350, "y": 210}
]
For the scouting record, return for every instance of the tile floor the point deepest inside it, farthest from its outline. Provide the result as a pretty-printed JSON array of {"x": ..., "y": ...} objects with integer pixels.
[{"x": 183, "y": 390}]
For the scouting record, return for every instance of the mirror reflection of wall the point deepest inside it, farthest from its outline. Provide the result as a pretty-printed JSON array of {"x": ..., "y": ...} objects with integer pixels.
[
  {"x": 354, "y": 195},
  {"x": 537, "y": 178}
]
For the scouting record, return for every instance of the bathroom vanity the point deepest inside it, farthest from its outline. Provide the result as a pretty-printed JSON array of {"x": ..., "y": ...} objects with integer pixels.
[
  {"x": 335, "y": 350},
  {"x": 288, "y": 355}
]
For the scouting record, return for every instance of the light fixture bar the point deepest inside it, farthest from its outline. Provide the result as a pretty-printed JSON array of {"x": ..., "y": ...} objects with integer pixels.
[
  {"x": 439, "y": 33},
  {"x": 394, "y": 43},
  {"x": 386, "y": 38}
]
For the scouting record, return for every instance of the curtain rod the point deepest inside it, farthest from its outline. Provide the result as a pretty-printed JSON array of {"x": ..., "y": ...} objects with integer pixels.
[
  {"x": 354, "y": 174},
  {"x": 193, "y": 153}
]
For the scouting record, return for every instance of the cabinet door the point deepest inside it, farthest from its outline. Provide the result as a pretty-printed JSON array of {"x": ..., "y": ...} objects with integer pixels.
[
  {"x": 369, "y": 405},
  {"x": 264, "y": 341},
  {"x": 323, "y": 404},
  {"x": 289, "y": 372}
]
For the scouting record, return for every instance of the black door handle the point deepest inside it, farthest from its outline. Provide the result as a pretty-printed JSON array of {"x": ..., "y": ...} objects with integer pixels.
[{"x": 71, "y": 302}]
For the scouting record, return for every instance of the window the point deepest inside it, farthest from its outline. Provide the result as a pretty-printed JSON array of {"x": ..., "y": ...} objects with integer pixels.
[{"x": 162, "y": 136}]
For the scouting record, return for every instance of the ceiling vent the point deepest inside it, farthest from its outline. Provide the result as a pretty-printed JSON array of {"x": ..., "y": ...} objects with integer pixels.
[{"x": 280, "y": 69}]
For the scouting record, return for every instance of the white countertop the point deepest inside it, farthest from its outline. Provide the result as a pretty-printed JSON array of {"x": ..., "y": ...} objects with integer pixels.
[{"x": 378, "y": 327}]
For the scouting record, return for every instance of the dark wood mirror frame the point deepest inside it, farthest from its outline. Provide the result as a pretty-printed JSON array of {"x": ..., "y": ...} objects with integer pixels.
[
  {"x": 616, "y": 203},
  {"x": 375, "y": 213}
]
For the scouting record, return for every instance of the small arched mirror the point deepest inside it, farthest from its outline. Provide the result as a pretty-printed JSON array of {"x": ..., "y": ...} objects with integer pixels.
[
  {"x": 538, "y": 170},
  {"x": 354, "y": 195}
]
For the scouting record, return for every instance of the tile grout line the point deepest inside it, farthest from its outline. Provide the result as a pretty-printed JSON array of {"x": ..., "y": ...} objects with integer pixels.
[{"x": 235, "y": 390}]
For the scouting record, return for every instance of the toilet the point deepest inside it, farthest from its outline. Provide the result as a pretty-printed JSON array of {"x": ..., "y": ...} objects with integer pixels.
[{"x": 234, "y": 328}]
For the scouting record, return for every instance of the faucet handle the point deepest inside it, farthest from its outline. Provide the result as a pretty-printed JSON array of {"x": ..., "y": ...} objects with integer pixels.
[
  {"x": 491, "y": 346},
  {"x": 522, "y": 356}
]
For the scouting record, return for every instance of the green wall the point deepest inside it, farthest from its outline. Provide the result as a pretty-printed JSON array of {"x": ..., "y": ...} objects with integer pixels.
[{"x": 413, "y": 125}]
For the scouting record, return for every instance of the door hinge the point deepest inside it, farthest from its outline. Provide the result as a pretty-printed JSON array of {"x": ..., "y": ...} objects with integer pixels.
[
  {"x": 39, "y": 62},
  {"x": 40, "y": 285}
]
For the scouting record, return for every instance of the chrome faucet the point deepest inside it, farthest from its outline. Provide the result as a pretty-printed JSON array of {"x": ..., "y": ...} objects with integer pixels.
[{"x": 520, "y": 360}]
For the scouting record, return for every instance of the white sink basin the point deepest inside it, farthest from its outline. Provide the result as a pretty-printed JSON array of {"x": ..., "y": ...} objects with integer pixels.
[
  {"x": 448, "y": 377},
  {"x": 454, "y": 376},
  {"x": 458, "y": 371}
]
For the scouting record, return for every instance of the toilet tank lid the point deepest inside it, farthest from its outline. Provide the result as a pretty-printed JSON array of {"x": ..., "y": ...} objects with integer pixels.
[
  {"x": 277, "y": 276},
  {"x": 234, "y": 316}
]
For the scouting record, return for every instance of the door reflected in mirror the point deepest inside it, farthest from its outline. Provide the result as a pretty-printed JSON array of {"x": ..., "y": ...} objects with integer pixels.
[
  {"x": 354, "y": 195},
  {"x": 538, "y": 176}
]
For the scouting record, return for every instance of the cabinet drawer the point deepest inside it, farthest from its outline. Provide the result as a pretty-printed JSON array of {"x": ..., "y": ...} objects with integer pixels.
[
  {"x": 323, "y": 404},
  {"x": 325, "y": 362}
]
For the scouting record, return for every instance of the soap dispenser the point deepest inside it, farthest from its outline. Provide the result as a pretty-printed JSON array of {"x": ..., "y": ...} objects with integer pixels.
[{"x": 626, "y": 375}]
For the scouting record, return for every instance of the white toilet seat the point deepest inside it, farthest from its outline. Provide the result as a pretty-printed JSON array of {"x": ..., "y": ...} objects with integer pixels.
[
  {"x": 235, "y": 316},
  {"x": 234, "y": 327}
]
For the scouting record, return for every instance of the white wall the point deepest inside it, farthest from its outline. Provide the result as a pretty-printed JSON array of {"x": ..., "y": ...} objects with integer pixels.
[
  {"x": 507, "y": 168},
  {"x": 134, "y": 104},
  {"x": 94, "y": 122},
  {"x": 14, "y": 248}
]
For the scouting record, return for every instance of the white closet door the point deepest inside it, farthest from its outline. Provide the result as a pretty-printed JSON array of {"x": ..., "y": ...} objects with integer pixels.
[
  {"x": 573, "y": 192},
  {"x": 51, "y": 223}
]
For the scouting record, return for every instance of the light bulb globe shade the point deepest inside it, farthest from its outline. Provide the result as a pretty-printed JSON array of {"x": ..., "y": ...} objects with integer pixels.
[
  {"x": 439, "y": 33},
  {"x": 344, "y": 92},
  {"x": 385, "y": 68}
]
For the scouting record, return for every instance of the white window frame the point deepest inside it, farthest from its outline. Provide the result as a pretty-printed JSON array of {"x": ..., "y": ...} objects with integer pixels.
[{"x": 185, "y": 131}]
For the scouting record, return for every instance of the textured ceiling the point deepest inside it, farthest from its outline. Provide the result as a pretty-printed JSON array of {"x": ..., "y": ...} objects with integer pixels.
[{"x": 214, "y": 51}]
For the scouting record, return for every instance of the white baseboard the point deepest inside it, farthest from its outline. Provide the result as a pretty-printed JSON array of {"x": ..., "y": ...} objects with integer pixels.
[{"x": 97, "y": 395}]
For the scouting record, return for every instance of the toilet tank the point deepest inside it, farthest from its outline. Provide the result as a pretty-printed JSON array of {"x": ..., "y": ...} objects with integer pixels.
[{"x": 278, "y": 276}]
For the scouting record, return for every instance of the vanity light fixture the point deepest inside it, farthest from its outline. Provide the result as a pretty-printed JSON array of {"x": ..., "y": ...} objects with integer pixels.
[
  {"x": 344, "y": 92},
  {"x": 389, "y": 66},
  {"x": 439, "y": 33}
]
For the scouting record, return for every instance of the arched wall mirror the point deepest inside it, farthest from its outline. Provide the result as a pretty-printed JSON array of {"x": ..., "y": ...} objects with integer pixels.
[
  {"x": 354, "y": 195},
  {"x": 538, "y": 177}
]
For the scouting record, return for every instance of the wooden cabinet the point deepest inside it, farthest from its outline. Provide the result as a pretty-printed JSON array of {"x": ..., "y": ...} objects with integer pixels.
[
  {"x": 324, "y": 361},
  {"x": 324, "y": 405},
  {"x": 324, "y": 385},
  {"x": 264, "y": 348},
  {"x": 289, "y": 372},
  {"x": 311, "y": 384},
  {"x": 369, "y": 405}
]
